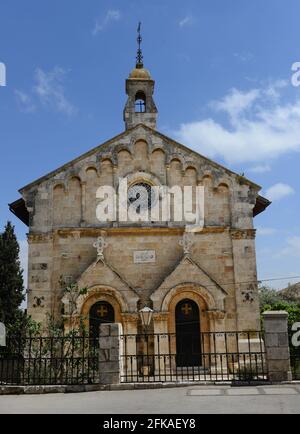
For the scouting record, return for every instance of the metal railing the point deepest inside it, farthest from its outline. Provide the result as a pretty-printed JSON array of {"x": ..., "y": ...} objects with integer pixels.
[
  {"x": 212, "y": 357},
  {"x": 167, "y": 357},
  {"x": 49, "y": 360}
]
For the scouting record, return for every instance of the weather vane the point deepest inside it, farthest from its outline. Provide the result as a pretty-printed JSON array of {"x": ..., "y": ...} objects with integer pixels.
[{"x": 139, "y": 57}]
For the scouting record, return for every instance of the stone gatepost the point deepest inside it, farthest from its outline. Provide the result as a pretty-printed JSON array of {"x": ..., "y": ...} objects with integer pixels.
[
  {"x": 277, "y": 345},
  {"x": 110, "y": 353}
]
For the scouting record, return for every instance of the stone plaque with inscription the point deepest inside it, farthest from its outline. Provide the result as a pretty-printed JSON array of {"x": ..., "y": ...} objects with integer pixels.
[{"x": 144, "y": 257}]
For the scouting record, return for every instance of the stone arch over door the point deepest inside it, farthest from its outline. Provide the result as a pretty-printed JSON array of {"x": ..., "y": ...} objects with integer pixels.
[
  {"x": 205, "y": 303},
  {"x": 106, "y": 295},
  {"x": 189, "y": 292}
]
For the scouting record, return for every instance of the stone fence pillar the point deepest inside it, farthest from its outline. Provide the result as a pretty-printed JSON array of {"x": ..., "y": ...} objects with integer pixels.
[
  {"x": 110, "y": 353},
  {"x": 277, "y": 345}
]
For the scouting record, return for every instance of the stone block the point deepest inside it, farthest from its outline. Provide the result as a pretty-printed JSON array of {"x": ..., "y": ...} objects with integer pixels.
[
  {"x": 271, "y": 340},
  {"x": 105, "y": 342},
  {"x": 103, "y": 355},
  {"x": 283, "y": 340},
  {"x": 275, "y": 322},
  {"x": 109, "y": 378},
  {"x": 278, "y": 353}
]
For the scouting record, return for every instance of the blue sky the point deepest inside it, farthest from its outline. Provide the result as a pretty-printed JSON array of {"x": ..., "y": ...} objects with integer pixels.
[{"x": 223, "y": 87}]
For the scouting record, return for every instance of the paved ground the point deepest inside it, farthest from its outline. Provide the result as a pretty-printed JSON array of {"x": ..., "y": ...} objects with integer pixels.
[{"x": 187, "y": 400}]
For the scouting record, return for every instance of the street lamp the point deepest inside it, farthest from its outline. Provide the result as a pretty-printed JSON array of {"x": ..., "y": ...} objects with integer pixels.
[{"x": 146, "y": 316}]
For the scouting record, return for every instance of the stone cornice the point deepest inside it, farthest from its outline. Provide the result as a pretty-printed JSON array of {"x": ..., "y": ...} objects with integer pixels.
[
  {"x": 243, "y": 234},
  {"x": 77, "y": 233},
  {"x": 216, "y": 314},
  {"x": 130, "y": 317},
  {"x": 161, "y": 316},
  {"x": 39, "y": 238}
]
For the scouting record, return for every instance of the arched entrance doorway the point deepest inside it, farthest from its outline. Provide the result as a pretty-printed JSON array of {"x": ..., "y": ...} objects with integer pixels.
[
  {"x": 188, "y": 344},
  {"x": 100, "y": 313}
]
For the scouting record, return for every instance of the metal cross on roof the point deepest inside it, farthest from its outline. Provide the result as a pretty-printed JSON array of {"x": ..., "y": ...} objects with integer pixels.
[{"x": 139, "y": 57}]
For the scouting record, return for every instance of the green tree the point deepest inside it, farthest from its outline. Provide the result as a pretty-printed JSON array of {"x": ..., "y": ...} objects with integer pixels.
[
  {"x": 269, "y": 297},
  {"x": 11, "y": 279}
]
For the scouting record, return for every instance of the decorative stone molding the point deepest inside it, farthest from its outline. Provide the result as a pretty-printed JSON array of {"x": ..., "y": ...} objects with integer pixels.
[
  {"x": 243, "y": 234},
  {"x": 130, "y": 317},
  {"x": 161, "y": 316},
  {"x": 100, "y": 245},
  {"x": 38, "y": 302},
  {"x": 216, "y": 314},
  {"x": 248, "y": 296},
  {"x": 187, "y": 242},
  {"x": 39, "y": 238}
]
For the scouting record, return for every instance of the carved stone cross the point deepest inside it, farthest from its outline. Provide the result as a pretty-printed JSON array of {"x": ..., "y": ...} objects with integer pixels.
[
  {"x": 187, "y": 242},
  {"x": 100, "y": 245}
]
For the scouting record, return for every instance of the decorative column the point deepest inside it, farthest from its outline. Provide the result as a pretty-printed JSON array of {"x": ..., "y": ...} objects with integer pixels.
[
  {"x": 164, "y": 344},
  {"x": 215, "y": 342},
  {"x": 130, "y": 323},
  {"x": 277, "y": 345}
]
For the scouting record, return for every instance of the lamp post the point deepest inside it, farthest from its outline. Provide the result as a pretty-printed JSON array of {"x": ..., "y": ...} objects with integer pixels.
[{"x": 146, "y": 315}]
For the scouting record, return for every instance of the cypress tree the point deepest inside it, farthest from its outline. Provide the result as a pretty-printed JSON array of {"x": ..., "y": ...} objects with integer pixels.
[{"x": 11, "y": 278}]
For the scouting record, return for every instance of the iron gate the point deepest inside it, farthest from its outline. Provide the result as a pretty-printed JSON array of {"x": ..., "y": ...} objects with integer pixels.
[{"x": 219, "y": 356}]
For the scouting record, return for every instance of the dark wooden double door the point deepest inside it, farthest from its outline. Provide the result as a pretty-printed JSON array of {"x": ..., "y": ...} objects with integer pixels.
[{"x": 188, "y": 336}]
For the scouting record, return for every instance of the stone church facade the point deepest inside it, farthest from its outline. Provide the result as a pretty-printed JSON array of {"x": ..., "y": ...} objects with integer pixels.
[{"x": 126, "y": 266}]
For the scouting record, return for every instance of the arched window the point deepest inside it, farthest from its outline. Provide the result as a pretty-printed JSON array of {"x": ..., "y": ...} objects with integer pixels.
[
  {"x": 140, "y": 102},
  {"x": 143, "y": 191}
]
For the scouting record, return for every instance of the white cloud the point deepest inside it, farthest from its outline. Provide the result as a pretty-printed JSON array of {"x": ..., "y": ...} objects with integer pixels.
[
  {"x": 260, "y": 126},
  {"x": 279, "y": 191},
  {"x": 236, "y": 103},
  {"x": 293, "y": 247},
  {"x": 110, "y": 16},
  {"x": 185, "y": 21},
  {"x": 263, "y": 168},
  {"x": 24, "y": 101},
  {"x": 50, "y": 90},
  {"x": 244, "y": 56},
  {"x": 266, "y": 231}
]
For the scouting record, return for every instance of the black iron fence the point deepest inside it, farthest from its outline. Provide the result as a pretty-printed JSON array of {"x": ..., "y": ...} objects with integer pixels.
[
  {"x": 168, "y": 357},
  {"x": 212, "y": 357},
  {"x": 49, "y": 360},
  {"x": 294, "y": 342}
]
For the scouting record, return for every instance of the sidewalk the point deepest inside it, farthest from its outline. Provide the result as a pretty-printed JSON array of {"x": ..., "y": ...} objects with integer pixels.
[{"x": 277, "y": 399}]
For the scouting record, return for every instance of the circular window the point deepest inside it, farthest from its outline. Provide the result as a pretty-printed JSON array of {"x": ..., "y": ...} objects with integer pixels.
[{"x": 142, "y": 192}]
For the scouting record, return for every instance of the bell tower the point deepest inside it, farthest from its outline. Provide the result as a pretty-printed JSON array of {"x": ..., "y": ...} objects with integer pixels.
[{"x": 140, "y": 107}]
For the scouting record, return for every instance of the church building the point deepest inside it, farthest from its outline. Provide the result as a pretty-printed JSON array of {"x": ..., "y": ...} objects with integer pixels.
[{"x": 200, "y": 274}]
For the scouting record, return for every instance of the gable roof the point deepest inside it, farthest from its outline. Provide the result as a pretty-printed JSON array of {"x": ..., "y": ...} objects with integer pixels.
[
  {"x": 122, "y": 135},
  {"x": 19, "y": 209}
]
